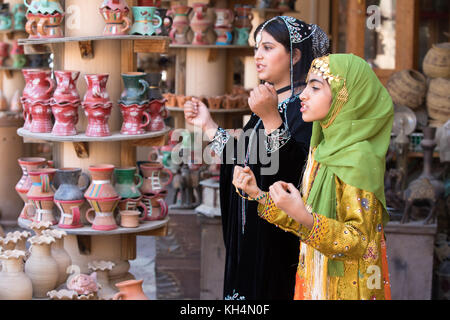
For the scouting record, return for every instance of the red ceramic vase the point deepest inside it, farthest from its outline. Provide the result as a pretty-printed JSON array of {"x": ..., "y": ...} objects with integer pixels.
[
  {"x": 98, "y": 120},
  {"x": 96, "y": 93},
  {"x": 66, "y": 117},
  {"x": 41, "y": 117},
  {"x": 66, "y": 89},
  {"x": 157, "y": 111},
  {"x": 24, "y": 99},
  {"x": 156, "y": 206},
  {"x": 133, "y": 116}
]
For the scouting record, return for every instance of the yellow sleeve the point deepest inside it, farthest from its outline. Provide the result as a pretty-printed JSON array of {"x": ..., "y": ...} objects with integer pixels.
[
  {"x": 347, "y": 237},
  {"x": 280, "y": 218}
]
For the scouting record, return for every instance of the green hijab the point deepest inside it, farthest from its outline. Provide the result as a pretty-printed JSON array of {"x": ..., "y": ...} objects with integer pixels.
[{"x": 353, "y": 139}]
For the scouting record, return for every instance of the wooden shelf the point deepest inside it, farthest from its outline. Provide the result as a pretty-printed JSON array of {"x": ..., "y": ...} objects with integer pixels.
[
  {"x": 243, "y": 110},
  {"x": 208, "y": 46},
  {"x": 142, "y": 229},
  {"x": 115, "y": 136}
]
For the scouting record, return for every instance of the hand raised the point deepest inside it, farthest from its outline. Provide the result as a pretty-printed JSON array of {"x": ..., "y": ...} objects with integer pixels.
[
  {"x": 244, "y": 179},
  {"x": 196, "y": 113},
  {"x": 263, "y": 101}
]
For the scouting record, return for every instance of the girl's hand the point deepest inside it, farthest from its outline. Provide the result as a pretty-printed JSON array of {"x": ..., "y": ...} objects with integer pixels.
[
  {"x": 287, "y": 198},
  {"x": 244, "y": 179},
  {"x": 263, "y": 101},
  {"x": 196, "y": 113}
]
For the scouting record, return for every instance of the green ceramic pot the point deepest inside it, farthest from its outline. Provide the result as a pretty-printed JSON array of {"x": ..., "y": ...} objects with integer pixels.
[
  {"x": 43, "y": 6},
  {"x": 146, "y": 22},
  {"x": 125, "y": 184}
]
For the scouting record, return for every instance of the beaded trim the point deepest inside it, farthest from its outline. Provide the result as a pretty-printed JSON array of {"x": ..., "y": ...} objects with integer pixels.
[
  {"x": 277, "y": 139},
  {"x": 219, "y": 141}
]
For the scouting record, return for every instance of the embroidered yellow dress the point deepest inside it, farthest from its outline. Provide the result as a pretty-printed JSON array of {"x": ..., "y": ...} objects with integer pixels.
[{"x": 356, "y": 237}]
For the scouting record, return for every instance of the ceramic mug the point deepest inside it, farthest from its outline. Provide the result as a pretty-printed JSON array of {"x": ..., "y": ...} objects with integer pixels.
[
  {"x": 144, "y": 21},
  {"x": 130, "y": 218}
]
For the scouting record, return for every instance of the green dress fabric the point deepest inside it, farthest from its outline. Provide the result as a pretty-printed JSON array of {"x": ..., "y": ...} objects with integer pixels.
[{"x": 353, "y": 145}]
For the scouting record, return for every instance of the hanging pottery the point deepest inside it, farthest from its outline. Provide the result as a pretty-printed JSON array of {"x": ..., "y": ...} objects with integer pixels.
[
  {"x": 102, "y": 269},
  {"x": 41, "y": 267},
  {"x": 115, "y": 13},
  {"x": 130, "y": 290},
  {"x": 59, "y": 253},
  {"x": 200, "y": 23},
  {"x": 14, "y": 283},
  {"x": 146, "y": 21}
]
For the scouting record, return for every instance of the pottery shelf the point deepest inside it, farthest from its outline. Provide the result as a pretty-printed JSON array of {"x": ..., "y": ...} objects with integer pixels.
[
  {"x": 141, "y": 44},
  {"x": 145, "y": 228},
  {"x": 208, "y": 46},
  {"x": 241, "y": 110},
  {"x": 10, "y": 33}
]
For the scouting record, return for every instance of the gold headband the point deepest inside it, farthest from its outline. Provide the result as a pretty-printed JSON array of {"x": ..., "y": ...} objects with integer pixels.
[{"x": 321, "y": 67}]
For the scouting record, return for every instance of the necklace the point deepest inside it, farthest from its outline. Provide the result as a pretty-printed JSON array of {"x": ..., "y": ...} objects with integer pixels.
[{"x": 284, "y": 89}]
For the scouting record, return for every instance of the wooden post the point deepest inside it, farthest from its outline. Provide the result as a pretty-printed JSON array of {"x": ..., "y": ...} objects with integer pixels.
[{"x": 356, "y": 27}]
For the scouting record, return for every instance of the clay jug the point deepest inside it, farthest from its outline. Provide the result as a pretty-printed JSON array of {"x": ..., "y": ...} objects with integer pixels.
[
  {"x": 103, "y": 213},
  {"x": 136, "y": 88},
  {"x": 115, "y": 13},
  {"x": 41, "y": 267},
  {"x": 59, "y": 254},
  {"x": 40, "y": 86},
  {"x": 41, "y": 195},
  {"x": 125, "y": 185},
  {"x": 101, "y": 187},
  {"x": 156, "y": 205},
  {"x": 146, "y": 21},
  {"x": 49, "y": 26},
  {"x": 180, "y": 25},
  {"x": 153, "y": 181},
  {"x": 66, "y": 88},
  {"x": 130, "y": 290},
  {"x": 96, "y": 93},
  {"x": 157, "y": 111},
  {"x": 135, "y": 119},
  {"x": 200, "y": 23},
  {"x": 68, "y": 181},
  {"x": 14, "y": 283},
  {"x": 25, "y": 98}
]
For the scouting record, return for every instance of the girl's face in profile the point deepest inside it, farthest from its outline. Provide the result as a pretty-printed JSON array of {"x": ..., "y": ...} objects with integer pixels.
[
  {"x": 272, "y": 60},
  {"x": 316, "y": 99}
]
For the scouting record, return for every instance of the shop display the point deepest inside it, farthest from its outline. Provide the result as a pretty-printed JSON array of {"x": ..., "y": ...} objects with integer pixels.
[
  {"x": 200, "y": 23},
  {"x": 115, "y": 13},
  {"x": 180, "y": 26},
  {"x": 14, "y": 283},
  {"x": 144, "y": 21}
]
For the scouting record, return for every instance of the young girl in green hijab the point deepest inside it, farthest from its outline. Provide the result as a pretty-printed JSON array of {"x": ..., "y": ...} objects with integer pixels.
[{"x": 340, "y": 210}]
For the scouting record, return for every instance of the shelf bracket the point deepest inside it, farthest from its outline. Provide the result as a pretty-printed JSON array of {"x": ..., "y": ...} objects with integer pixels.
[
  {"x": 81, "y": 149},
  {"x": 86, "y": 49},
  {"x": 212, "y": 55},
  {"x": 8, "y": 73}
]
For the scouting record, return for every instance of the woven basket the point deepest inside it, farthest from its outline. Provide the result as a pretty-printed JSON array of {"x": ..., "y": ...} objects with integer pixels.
[
  {"x": 437, "y": 61},
  {"x": 438, "y": 99},
  {"x": 407, "y": 88}
]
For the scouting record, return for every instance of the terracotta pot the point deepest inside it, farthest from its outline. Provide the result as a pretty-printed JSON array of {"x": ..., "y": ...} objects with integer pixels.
[
  {"x": 115, "y": 13},
  {"x": 14, "y": 283},
  {"x": 125, "y": 182},
  {"x": 130, "y": 290},
  {"x": 157, "y": 111},
  {"x": 66, "y": 118},
  {"x": 102, "y": 269},
  {"x": 407, "y": 88},
  {"x": 438, "y": 99},
  {"x": 70, "y": 213},
  {"x": 171, "y": 99},
  {"x": 180, "y": 26},
  {"x": 136, "y": 88},
  {"x": 215, "y": 102},
  {"x": 130, "y": 218},
  {"x": 41, "y": 267},
  {"x": 66, "y": 89},
  {"x": 200, "y": 23},
  {"x": 231, "y": 102},
  {"x": 49, "y": 26},
  {"x": 156, "y": 206},
  {"x": 182, "y": 99},
  {"x": 96, "y": 93},
  {"x": 436, "y": 63},
  {"x": 59, "y": 254},
  {"x": 146, "y": 21},
  {"x": 101, "y": 187},
  {"x": 153, "y": 182},
  {"x": 103, "y": 210},
  {"x": 133, "y": 204},
  {"x": 41, "y": 195}
]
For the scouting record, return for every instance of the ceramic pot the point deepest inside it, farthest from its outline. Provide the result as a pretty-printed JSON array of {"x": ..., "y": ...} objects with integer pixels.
[
  {"x": 125, "y": 184},
  {"x": 156, "y": 206},
  {"x": 25, "y": 98},
  {"x": 101, "y": 187},
  {"x": 407, "y": 88},
  {"x": 70, "y": 213},
  {"x": 66, "y": 88},
  {"x": 436, "y": 63},
  {"x": 102, "y": 210},
  {"x": 241, "y": 36},
  {"x": 133, "y": 117},
  {"x": 4, "y": 54},
  {"x": 133, "y": 204},
  {"x": 244, "y": 17},
  {"x": 171, "y": 99},
  {"x": 59, "y": 254},
  {"x": 200, "y": 23},
  {"x": 66, "y": 118},
  {"x": 43, "y": 6},
  {"x": 5, "y": 21},
  {"x": 14, "y": 283},
  {"x": 167, "y": 22},
  {"x": 136, "y": 88},
  {"x": 20, "y": 19},
  {"x": 40, "y": 86},
  {"x": 49, "y": 26},
  {"x": 41, "y": 117},
  {"x": 24, "y": 184},
  {"x": 41, "y": 267},
  {"x": 438, "y": 100},
  {"x": 102, "y": 269},
  {"x": 180, "y": 26},
  {"x": 130, "y": 290},
  {"x": 215, "y": 102},
  {"x": 157, "y": 111},
  {"x": 96, "y": 93},
  {"x": 224, "y": 18},
  {"x": 153, "y": 181},
  {"x": 31, "y": 25},
  {"x": 231, "y": 102},
  {"x": 115, "y": 13},
  {"x": 224, "y": 35},
  {"x": 68, "y": 181},
  {"x": 154, "y": 82},
  {"x": 98, "y": 120},
  {"x": 41, "y": 195},
  {"x": 130, "y": 218},
  {"x": 146, "y": 22}
]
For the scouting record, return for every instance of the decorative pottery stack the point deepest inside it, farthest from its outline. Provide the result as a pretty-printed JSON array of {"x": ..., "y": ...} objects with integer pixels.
[
  {"x": 242, "y": 24},
  {"x": 133, "y": 103},
  {"x": 436, "y": 66},
  {"x": 157, "y": 103},
  {"x": 115, "y": 13},
  {"x": 200, "y": 23},
  {"x": 223, "y": 26},
  {"x": 5, "y": 17},
  {"x": 65, "y": 103},
  {"x": 97, "y": 105},
  {"x": 44, "y": 19},
  {"x": 180, "y": 26}
]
